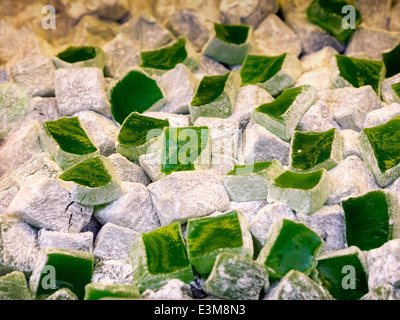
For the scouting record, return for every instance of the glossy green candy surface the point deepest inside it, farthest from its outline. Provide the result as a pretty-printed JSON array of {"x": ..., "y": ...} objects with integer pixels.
[
  {"x": 97, "y": 291},
  {"x": 259, "y": 69},
  {"x": 69, "y": 135},
  {"x": 328, "y": 15},
  {"x": 313, "y": 150},
  {"x": 391, "y": 60},
  {"x": 250, "y": 168},
  {"x": 385, "y": 142},
  {"x": 182, "y": 148},
  {"x": 235, "y": 34},
  {"x": 294, "y": 180},
  {"x": 289, "y": 246},
  {"x": 75, "y": 54},
  {"x": 343, "y": 273},
  {"x": 165, "y": 58},
  {"x": 396, "y": 90},
  {"x": 136, "y": 127},
  {"x": 209, "y": 89},
  {"x": 72, "y": 270},
  {"x": 360, "y": 72},
  {"x": 368, "y": 220},
  {"x": 90, "y": 173},
  {"x": 135, "y": 92}
]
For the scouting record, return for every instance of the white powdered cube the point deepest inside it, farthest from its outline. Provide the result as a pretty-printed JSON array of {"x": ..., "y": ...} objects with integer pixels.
[
  {"x": 188, "y": 194},
  {"x": 80, "y": 89},
  {"x": 386, "y": 91},
  {"x": 382, "y": 115},
  {"x": 46, "y": 203},
  {"x": 114, "y": 242},
  {"x": 113, "y": 271},
  {"x": 19, "y": 146},
  {"x": 127, "y": 170},
  {"x": 209, "y": 67},
  {"x": 350, "y": 143},
  {"x": 9, "y": 187},
  {"x": 18, "y": 246},
  {"x": 266, "y": 216},
  {"x": 259, "y": 144},
  {"x": 250, "y": 12},
  {"x": 319, "y": 59},
  {"x": 36, "y": 75},
  {"x": 375, "y": 13},
  {"x": 43, "y": 109},
  {"x": 224, "y": 134},
  {"x": 101, "y": 131},
  {"x": 319, "y": 78},
  {"x": 248, "y": 208},
  {"x": 179, "y": 85},
  {"x": 351, "y": 105},
  {"x": 248, "y": 97},
  {"x": 384, "y": 265},
  {"x": 222, "y": 164},
  {"x": 71, "y": 241},
  {"x": 274, "y": 37},
  {"x": 350, "y": 178},
  {"x": 329, "y": 223},
  {"x": 133, "y": 210},
  {"x": 174, "y": 289},
  {"x": 318, "y": 118},
  {"x": 395, "y": 187},
  {"x": 122, "y": 56}
]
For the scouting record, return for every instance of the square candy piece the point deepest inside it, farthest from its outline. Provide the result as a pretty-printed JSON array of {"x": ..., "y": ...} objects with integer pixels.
[
  {"x": 97, "y": 291},
  {"x": 237, "y": 278},
  {"x": 60, "y": 268},
  {"x": 290, "y": 246},
  {"x": 380, "y": 149},
  {"x": 207, "y": 237},
  {"x": 79, "y": 57},
  {"x": 372, "y": 219},
  {"x": 315, "y": 150},
  {"x": 166, "y": 58},
  {"x": 135, "y": 92},
  {"x": 215, "y": 96},
  {"x": 344, "y": 273},
  {"x": 66, "y": 141},
  {"x": 13, "y": 286},
  {"x": 354, "y": 72},
  {"x": 137, "y": 133},
  {"x": 282, "y": 115},
  {"x": 94, "y": 181},
  {"x": 229, "y": 44},
  {"x": 273, "y": 74},
  {"x": 250, "y": 182},
  {"x": 303, "y": 192},
  {"x": 159, "y": 256}
]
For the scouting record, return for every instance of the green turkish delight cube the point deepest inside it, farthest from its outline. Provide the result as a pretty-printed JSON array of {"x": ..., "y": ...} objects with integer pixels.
[
  {"x": 78, "y": 57},
  {"x": 315, "y": 150},
  {"x": 207, "y": 237},
  {"x": 302, "y": 192},
  {"x": 60, "y": 268},
  {"x": 185, "y": 149},
  {"x": 290, "y": 246},
  {"x": 396, "y": 92},
  {"x": 250, "y": 182},
  {"x": 272, "y": 73},
  {"x": 159, "y": 256},
  {"x": 328, "y": 15},
  {"x": 136, "y": 91},
  {"x": 97, "y": 291},
  {"x": 380, "y": 149},
  {"x": 391, "y": 59},
  {"x": 282, "y": 115},
  {"x": 354, "y": 72},
  {"x": 236, "y": 277},
  {"x": 166, "y": 58},
  {"x": 94, "y": 181},
  {"x": 215, "y": 96},
  {"x": 229, "y": 44},
  {"x": 13, "y": 286},
  {"x": 297, "y": 286},
  {"x": 137, "y": 133},
  {"x": 372, "y": 219},
  {"x": 66, "y": 141},
  {"x": 344, "y": 273}
]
